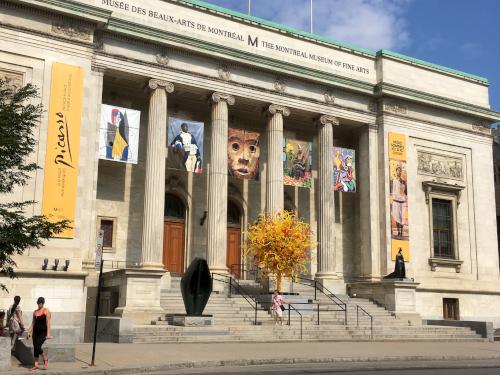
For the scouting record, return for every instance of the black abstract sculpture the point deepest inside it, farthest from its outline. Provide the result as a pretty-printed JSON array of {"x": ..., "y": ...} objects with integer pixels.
[
  {"x": 399, "y": 267},
  {"x": 196, "y": 287}
]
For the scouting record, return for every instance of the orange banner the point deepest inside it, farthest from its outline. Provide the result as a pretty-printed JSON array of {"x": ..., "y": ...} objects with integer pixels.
[
  {"x": 63, "y": 145},
  {"x": 398, "y": 183}
]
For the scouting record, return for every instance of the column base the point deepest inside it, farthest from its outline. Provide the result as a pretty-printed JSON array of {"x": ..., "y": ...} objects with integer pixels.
[
  {"x": 332, "y": 281},
  {"x": 220, "y": 281},
  {"x": 138, "y": 293}
]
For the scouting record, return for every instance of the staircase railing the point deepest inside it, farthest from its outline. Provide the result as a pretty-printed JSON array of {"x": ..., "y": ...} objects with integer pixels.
[
  {"x": 290, "y": 306},
  {"x": 358, "y": 308},
  {"x": 235, "y": 285}
]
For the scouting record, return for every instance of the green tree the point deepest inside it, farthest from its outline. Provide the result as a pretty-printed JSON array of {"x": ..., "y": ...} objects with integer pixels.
[{"x": 19, "y": 230}]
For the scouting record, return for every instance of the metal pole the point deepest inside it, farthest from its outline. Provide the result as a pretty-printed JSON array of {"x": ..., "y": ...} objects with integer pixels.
[
  {"x": 357, "y": 315},
  {"x": 315, "y": 290},
  {"x": 97, "y": 306},
  {"x": 230, "y": 285},
  {"x": 288, "y": 314},
  {"x": 318, "y": 313},
  {"x": 345, "y": 314},
  {"x": 371, "y": 326},
  {"x": 255, "y": 321},
  {"x": 249, "y": 7},
  {"x": 311, "y": 16}
]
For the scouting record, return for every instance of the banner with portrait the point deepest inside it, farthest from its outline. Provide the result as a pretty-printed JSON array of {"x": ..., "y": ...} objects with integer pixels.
[
  {"x": 344, "y": 170},
  {"x": 119, "y": 134},
  {"x": 63, "y": 146},
  {"x": 185, "y": 145},
  {"x": 398, "y": 190},
  {"x": 243, "y": 154},
  {"x": 297, "y": 163}
]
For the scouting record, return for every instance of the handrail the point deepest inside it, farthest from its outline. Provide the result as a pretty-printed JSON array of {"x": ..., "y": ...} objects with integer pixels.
[
  {"x": 247, "y": 296},
  {"x": 369, "y": 315},
  {"x": 298, "y": 312}
]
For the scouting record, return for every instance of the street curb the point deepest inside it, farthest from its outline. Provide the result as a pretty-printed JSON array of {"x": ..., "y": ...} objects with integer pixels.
[{"x": 252, "y": 362}]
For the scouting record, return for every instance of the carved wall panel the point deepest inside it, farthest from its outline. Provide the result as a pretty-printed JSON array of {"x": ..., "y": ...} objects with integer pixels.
[
  {"x": 440, "y": 165},
  {"x": 14, "y": 81},
  {"x": 72, "y": 30}
]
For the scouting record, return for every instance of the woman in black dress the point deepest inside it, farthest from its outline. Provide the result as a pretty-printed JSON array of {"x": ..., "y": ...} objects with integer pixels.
[{"x": 40, "y": 330}]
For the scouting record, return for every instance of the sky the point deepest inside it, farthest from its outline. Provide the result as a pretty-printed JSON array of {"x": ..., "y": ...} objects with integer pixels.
[{"x": 459, "y": 34}]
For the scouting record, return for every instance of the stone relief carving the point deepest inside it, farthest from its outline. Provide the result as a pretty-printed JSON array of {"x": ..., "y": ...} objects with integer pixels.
[
  {"x": 397, "y": 108},
  {"x": 482, "y": 127},
  {"x": 329, "y": 97},
  {"x": 158, "y": 83},
  {"x": 224, "y": 72},
  {"x": 439, "y": 165},
  {"x": 223, "y": 97},
  {"x": 373, "y": 107},
  {"x": 72, "y": 30},
  {"x": 162, "y": 59},
  {"x": 280, "y": 85},
  {"x": 14, "y": 81}
]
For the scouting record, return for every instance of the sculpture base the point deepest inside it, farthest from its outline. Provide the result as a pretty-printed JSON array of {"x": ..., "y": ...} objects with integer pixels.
[{"x": 193, "y": 321}]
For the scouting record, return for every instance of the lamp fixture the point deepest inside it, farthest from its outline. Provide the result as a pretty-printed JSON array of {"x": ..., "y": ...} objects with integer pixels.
[
  {"x": 56, "y": 263},
  {"x": 66, "y": 265},
  {"x": 202, "y": 220},
  {"x": 45, "y": 264}
]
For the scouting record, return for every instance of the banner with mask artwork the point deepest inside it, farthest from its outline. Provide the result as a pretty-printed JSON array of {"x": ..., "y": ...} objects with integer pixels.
[
  {"x": 398, "y": 188},
  {"x": 297, "y": 160},
  {"x": 185, "y": 145},
  {"x": 243, "y": 154},
  {"x": 344, "y": 170},
  {"x": 119, "y": 134}
]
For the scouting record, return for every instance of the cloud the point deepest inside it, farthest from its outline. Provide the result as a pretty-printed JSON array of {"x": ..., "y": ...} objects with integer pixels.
[
  {"x": 372, "y": 24},
  {"x": 471, "y": 51}
]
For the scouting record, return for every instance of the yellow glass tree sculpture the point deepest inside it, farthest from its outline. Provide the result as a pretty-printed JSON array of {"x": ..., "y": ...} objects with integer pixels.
[{"x": 280, "y": 244}]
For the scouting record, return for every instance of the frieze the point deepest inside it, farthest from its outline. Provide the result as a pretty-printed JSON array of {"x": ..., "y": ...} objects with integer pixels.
[
  {"x": 224, "y": 73},
  {"x": 397, "y": 108},
  {"x": 74, "y": 31},
  {"x": 13, "y": 81},
  {"x": 440, "y": 165}
]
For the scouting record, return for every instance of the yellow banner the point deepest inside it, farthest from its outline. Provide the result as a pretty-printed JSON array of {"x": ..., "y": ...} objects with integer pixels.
[
  {"x": 63, "y": 145},
  {"x": 398, "y": 199},
  {"x": 397, "y": 146}
]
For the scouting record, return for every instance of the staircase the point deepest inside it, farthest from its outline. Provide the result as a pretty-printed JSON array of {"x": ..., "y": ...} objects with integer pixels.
[{"x": 234, "y": 322}]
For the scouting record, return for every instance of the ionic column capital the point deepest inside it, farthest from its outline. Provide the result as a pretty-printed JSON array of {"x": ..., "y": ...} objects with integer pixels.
[
  {"x": 328, "y": 119},
  {"x": 276, "y": 108},
  {"x": 218, "y": 97},
  {"x": 154, "y": 84}
]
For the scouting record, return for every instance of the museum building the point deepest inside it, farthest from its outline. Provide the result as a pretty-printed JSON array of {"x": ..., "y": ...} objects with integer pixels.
[{"x": 183, "y": 121}]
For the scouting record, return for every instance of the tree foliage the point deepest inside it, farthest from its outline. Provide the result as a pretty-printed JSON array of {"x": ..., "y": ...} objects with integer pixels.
[
  {"x": 18, "y": 229},
  {"x": 280, "y": 244}
]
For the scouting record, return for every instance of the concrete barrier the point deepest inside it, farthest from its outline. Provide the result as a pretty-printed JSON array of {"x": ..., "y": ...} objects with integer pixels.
[
  {"x": 4, "y": 353},
  {"x": 55, "y": 352}
]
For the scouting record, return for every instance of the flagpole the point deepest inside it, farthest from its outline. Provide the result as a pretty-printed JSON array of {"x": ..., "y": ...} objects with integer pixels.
[
  {"x": 311, "y": 16},
  {"x": 249, "y": 7}
]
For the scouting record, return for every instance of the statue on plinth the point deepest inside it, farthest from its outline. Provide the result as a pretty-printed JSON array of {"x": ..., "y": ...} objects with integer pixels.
[
  {"x": 399, "y": 267},
  {"x": 196, "y": 287}
]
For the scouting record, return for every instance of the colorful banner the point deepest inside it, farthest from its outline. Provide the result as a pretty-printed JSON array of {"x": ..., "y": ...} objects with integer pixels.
[
  {"x": 243, "y": 154},
  {"x": 344, "y": 170},
  {"x": 398, "y": 185},
  {"x": 119, "y": 134},
  {"x": 297, "y": 160},
  {"x": 63, "y": 145},
  {"x": 185, "y": 145}
]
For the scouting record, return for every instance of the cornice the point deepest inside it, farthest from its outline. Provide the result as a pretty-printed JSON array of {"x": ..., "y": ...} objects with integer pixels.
[{"x": 387, "y": 89}]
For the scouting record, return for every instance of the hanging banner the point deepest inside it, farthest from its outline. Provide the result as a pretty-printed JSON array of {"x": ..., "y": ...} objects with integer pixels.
[
  {"x": 63, "y": 145},
  {"x": 297, "y": 160},
  {"x": 344, "y": 170},
  {"x": 185, "y": 145},
  {"x": 119, "y": 134},
  {"x": 398, "y": 185},
  {"x": 243, "y": 154}
]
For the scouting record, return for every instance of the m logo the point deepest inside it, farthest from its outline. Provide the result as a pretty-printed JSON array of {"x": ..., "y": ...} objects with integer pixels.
[{"x": 254, "y": 43}]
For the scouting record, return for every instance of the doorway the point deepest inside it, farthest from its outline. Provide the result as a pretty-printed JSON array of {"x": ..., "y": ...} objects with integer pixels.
[
  {"x": 173, "y": 235},
  {"x": 450, "y": 308},
  {"x": 233, "y": 259}
]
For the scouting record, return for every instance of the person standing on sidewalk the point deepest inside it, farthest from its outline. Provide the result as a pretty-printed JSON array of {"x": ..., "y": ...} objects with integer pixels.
[
  {"x": 15, "y": 322},
  {"x": 277, "y": 307},
  {"x": 40, "y": 329}
]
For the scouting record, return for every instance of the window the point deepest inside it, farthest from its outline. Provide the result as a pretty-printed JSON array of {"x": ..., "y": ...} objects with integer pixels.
[
  {"x": 174, "y": 208},
  {"x": 108, "y": 227},
  {"x": 450, "y": 309},
  {"x": 442, "y": 226},
  {"x": 233, "y": 214}
]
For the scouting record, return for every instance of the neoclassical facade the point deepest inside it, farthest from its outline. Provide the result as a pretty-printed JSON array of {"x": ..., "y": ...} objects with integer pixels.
[{"x": 411, "y": 124}]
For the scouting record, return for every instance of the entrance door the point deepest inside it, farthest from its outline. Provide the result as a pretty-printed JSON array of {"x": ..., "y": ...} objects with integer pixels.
[
  {"x": 233, "y": 260},
  {"x": 173, "y": 235},
  {"x": 450, "y": 308}
]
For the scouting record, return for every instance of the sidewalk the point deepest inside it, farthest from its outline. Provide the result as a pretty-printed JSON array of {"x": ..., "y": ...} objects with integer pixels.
[{"x": 140, "y": 358}]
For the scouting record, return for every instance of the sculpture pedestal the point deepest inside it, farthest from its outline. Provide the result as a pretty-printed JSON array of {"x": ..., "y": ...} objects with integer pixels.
[
  {"x": 138, "y": 293},
  {"x": 396, "y": 295},
  {"x": 193, "y": 321}
]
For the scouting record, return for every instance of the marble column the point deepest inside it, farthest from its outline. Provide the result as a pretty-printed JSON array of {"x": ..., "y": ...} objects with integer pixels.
[
  {"x": 326, "y": 205},
  {"x": 369, "y": 204},
  {"x": 154, "y": 192},
  {"x": 217, "y": 184},
  {"x": 274, "y": 178}
]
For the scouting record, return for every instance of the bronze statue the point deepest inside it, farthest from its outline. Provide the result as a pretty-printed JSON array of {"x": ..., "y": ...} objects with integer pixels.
[{"x": 399, "y": 267}]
